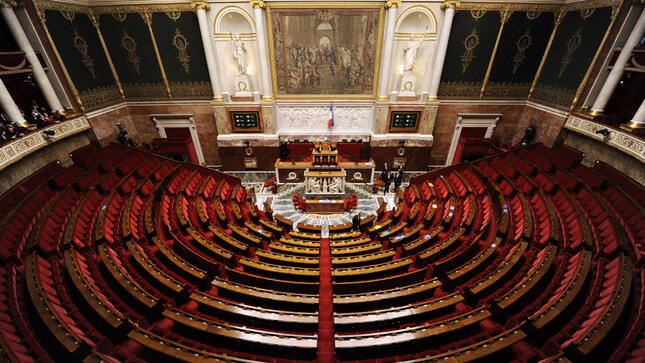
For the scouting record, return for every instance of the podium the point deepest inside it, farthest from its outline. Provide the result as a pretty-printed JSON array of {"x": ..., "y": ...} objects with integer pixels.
[{"x": 324, "y": 155}]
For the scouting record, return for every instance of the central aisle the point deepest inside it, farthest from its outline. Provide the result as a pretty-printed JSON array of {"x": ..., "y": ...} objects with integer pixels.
[{"x": 325, "y": 307}]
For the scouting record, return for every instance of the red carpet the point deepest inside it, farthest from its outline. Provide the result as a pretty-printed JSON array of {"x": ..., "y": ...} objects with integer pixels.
[{"x": 325, "y": 307}]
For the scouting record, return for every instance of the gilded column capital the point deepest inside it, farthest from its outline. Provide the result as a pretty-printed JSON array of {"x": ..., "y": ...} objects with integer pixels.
[
  {"x": 392, "y": 4},
  {"x": 200, "y": 5},
  {"x": 450, "y": 4},
  {"x": 8, "y": 3},
  {"x": 257, "y": 4}
]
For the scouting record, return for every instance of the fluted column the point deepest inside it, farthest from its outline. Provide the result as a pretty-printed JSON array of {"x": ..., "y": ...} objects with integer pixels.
[
  {"x": 388, "y": 45},
  {"x": 39, "y": 73},
  {"x": 442, "y": 46},
  {"x": 9, "y": 106},
  {"x": 263, "y": 49},
  {"x": 211, "y": 61},
  {"x": 617, "y": 70}
]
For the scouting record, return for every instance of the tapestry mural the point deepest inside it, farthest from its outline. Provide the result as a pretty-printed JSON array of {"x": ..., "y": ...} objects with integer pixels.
[{"x": 325, "y": 51}]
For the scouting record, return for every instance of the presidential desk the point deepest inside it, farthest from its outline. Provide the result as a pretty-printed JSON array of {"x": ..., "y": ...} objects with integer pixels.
[{"x": 294, "y": 171}]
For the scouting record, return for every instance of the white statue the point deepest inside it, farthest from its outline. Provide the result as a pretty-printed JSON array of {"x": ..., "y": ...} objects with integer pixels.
[
  {"x": 410, "y": 53},
  {"x": 239, "y": 53}
]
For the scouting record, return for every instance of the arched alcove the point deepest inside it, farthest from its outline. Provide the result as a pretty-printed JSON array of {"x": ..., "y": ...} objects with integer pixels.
[{"x": 234, "y": 20}]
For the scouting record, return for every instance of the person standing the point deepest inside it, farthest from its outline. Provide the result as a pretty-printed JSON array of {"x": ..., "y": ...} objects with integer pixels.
[
  {"x": 356, "y": 221},
  {"x": 384, "y": 171},
  {"x": 397, "y": 180},
  {"x": 387, "y": 179}
]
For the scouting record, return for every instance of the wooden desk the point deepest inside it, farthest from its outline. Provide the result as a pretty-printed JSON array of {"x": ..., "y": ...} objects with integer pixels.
[
  {"x": 325, "y": 206},
  {"x": 293, "y": 171}
]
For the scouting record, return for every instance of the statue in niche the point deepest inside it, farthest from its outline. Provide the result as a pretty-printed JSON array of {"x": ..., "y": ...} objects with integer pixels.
[
  {"x": 239, "y": 53},
  {"x": 334, "y": 185},
  {"x": 410, "y": 53}
]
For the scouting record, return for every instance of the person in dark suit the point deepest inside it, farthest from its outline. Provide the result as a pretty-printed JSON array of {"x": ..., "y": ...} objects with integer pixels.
[
  {"x": 387, "y": 179},
  {"x": 397, "y": 179},
  {"x": 384, "y": 171},
  {"x": 356, "y": 221}
]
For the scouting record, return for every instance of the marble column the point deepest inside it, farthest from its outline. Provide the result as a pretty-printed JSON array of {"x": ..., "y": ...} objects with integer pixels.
[
  {"x": 617, "y": 70},
  {"x": 388, "y": 45},
  {"x": 442, "y": 46},
  {"x": 263, "y": 49},
  {"x": 39, "y": 73},
  {"x": 211, "y": 61},
  {"x": 638, "y": 121},
  {"x": 9, "y": 106}
]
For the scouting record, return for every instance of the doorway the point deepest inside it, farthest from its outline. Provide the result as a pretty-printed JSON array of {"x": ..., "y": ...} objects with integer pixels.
[{"x": 471, "y": 125}]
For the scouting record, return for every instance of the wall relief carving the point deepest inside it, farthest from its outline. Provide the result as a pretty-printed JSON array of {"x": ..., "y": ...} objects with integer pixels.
[{"x": 317, "y": 117}]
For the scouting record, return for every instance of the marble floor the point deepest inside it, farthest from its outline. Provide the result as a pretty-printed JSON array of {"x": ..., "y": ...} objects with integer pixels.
[{"x": 282, "y": 204}]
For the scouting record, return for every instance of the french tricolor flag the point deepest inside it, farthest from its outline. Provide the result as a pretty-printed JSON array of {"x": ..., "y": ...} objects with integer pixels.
[{"x": 331, "y": 116}]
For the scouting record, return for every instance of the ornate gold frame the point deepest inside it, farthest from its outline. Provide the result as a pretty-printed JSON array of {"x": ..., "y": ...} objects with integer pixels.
[{"x": 321, "y": 5}]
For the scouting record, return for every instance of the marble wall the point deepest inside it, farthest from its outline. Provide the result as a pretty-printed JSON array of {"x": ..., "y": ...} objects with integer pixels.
[
  {"x": 136, "y": 119},
  {"x": 509, "y": 129}
]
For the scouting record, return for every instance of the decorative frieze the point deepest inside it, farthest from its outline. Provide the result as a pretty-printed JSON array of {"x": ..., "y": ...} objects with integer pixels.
[
  {"x": 15, "y": 150},
  {"x": 623, "y": 141}
]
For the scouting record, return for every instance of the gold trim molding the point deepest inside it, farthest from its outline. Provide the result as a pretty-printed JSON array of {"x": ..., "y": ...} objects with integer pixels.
[
  {"x": 15, "y": 150},
  {"x": 557, "y": 97},
  {"x": 100, "y": 97}
]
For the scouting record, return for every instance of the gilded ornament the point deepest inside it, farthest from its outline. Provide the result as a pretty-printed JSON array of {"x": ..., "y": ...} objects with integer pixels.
[
  {"x": 585, "y": 13},
  {"x": 191, "y": 90},
  {"x": 450, "y": 4},
  {"x": 553, "y": 96},
  {"x": 522, "y": 45},
  {"x": 180, "y": 42},
  {"x": 459, "y": 90},
  {"x": 119, "y": 16},
  {"x": 174, "y": 15},
  {"x": 81, "y": 45},
  {"x": 510, "y": 90},
  {"x": 69, "y": 15},
  {"x": 130, "y": 46},
  {"x": 96, "y": 98},
  {"x": 8, "y": 3},
  {"x": 392, "y": 4},
  {"x": 573, "y": 44},
  {"x": 145, "y": 91},
  {"x": 257, "y": 4},
  {"x": 471, "y": 41},
  {"x": 200, "y": 5},
  {"x": 533, "y": 14},
  {"x": 477, "y": 14}
]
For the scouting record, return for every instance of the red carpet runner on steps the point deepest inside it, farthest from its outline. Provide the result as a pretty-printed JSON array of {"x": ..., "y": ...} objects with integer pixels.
[{"x": 325, "y": 307}]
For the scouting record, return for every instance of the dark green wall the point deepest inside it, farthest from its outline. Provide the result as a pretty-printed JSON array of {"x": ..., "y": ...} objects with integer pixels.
[
  {"x": 458, "y": 81},
  {"x": 558, "y": 82},
  {"x": 188, "y": 78},
  {"x": 511, "y": 75},
  {"x": 137, "y": 67},
  {"x": 96, "y": 88}
]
